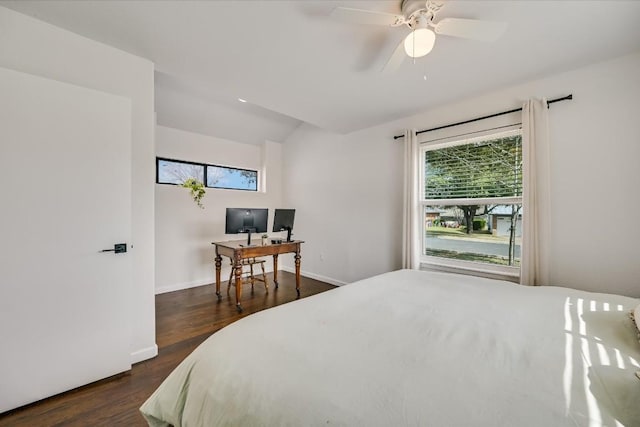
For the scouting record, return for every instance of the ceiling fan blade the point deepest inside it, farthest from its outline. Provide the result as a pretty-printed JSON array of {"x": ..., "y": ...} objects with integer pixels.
[
  {"x": 487, "y": 31},
  {"x": 396, "y": 59},
  {"x": 360, "y": 16}
]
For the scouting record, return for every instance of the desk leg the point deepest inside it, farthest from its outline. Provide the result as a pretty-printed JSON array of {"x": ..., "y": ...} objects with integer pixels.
[
  {"x": 297, "y": 258},
  {"x": 218, "y": 266},
  {"x": 238, "y": 271},
  {"x": 275, "y": 269}
]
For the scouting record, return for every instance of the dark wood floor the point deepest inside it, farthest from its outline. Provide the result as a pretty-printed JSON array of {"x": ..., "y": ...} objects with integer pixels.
[{"x": 183, "y": 320}]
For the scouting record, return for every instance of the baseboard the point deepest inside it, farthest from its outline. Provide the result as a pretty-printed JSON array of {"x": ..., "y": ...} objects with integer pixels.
[
  {"x": 315, "y": 276},
  {"x": 144, "y": 354},
  {"x": 185, "y": 285}
]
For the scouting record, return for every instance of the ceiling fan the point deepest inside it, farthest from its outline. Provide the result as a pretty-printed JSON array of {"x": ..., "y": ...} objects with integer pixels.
[{"x": 419, "y": 16}]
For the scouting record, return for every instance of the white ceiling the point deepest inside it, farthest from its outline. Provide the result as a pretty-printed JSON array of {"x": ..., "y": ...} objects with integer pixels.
[{"x": 292, "y": 63}]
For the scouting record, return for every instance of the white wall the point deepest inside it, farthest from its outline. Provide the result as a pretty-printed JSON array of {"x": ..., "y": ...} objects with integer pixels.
[
  {"x": 38, "y": 48},
  {"x": 347, "y": 188},
  {"x": 346, "y": 192},
  {"x": 184, "y": 232}
]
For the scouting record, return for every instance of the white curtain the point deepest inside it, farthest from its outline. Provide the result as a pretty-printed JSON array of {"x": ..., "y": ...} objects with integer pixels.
[
  {"x": 411, "y": 225},
  {"x": 534, "y": 270}
]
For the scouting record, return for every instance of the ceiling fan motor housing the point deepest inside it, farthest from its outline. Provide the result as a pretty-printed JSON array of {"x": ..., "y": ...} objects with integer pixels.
[
  {"x": 418, "y": 13},
  {"x": 409, "y": 7}
]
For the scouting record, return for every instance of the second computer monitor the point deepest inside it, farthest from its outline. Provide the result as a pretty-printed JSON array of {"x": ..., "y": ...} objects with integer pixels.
[{"x": 283, "y": 221}]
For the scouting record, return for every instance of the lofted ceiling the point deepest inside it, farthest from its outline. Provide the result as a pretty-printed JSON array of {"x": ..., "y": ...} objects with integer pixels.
[{"x": 293, "y": 63}]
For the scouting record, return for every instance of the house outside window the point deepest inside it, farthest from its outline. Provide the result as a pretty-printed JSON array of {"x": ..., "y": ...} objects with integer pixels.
[{"x": 471, "y": 203}]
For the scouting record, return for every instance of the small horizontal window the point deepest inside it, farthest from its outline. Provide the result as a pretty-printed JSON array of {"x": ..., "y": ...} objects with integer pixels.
[
  {"x": 232, "y": 178},
  {"x": 177, "y": 172},
  {"x": 169, "y": 171}
]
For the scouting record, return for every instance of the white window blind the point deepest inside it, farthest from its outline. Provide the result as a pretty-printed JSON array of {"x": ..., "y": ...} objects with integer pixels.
[{"x": 475, "y": 169}]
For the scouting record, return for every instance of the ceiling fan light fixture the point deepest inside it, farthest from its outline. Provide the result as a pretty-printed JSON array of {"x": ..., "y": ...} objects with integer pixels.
[{"x": 419, "y": 42}]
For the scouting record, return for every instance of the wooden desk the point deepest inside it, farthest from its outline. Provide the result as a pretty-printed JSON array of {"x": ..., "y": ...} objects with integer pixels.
[{"x": 237, "y": 250}]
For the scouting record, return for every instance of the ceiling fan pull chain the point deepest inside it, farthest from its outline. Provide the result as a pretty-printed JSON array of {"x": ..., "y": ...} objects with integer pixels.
[{"x": 414, "y": 47}]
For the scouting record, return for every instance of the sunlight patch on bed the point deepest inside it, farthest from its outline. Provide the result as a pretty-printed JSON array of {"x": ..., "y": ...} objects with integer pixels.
[
  {"x": 590, "y": 361},
  {"x": 582, "y": 326},
  {"x": 595, "y": 417},
  {"x": 602, "y": 354},
  {"x": 594, "y": 412},
  {"x": 568, "y": 355},
  {"x": 619, "y": 359}
]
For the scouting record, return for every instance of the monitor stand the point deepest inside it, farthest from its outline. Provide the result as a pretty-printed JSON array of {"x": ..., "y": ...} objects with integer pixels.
[
  {"x": 248, "y": 237},
  {"x": 288, "y": 233}
]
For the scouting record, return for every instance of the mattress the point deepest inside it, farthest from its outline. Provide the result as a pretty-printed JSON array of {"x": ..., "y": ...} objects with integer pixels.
[{"x": 414, "y": 348}]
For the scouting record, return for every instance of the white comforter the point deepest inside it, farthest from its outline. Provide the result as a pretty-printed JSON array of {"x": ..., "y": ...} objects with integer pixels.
[{"x": 413, "y": 348}]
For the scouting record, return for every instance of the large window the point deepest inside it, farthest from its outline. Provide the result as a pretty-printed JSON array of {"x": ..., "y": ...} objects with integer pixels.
[
  {"x": 472, "y": 202},
  {"x": 169, "y": 171}
]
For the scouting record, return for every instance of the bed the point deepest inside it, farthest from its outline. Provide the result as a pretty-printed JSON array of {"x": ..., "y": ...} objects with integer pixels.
[{"x": 414, "y": 348}]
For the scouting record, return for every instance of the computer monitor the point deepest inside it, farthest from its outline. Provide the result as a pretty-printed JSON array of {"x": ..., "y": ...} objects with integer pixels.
[
  {"x": 283, "y": 220},
  {"x": 246, "y": 220}
]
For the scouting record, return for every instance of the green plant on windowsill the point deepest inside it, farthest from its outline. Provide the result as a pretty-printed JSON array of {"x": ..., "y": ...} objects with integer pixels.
[{"x": 197, "y": 190}]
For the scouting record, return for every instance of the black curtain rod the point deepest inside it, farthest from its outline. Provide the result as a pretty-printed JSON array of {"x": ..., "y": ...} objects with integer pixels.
[{"x": 564, "y": 98}]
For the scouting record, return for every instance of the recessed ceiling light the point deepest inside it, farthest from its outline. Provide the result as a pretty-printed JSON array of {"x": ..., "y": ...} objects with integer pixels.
[{"x": 242, "y": 100}]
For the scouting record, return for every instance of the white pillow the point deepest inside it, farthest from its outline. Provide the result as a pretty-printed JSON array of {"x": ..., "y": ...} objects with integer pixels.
[{"x": 635, "y": 317}]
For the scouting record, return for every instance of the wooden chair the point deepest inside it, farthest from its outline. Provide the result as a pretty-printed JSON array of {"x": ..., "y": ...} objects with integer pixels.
[{"x": 248, "y": 276}]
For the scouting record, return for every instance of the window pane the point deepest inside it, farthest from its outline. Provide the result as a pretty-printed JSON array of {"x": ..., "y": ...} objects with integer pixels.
[
  {"x": 235, "y": 179},
  {"x": 479, "y": 169},
  {"x": 173, "y": 172},
  {"x": 480, "y": 233}
]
